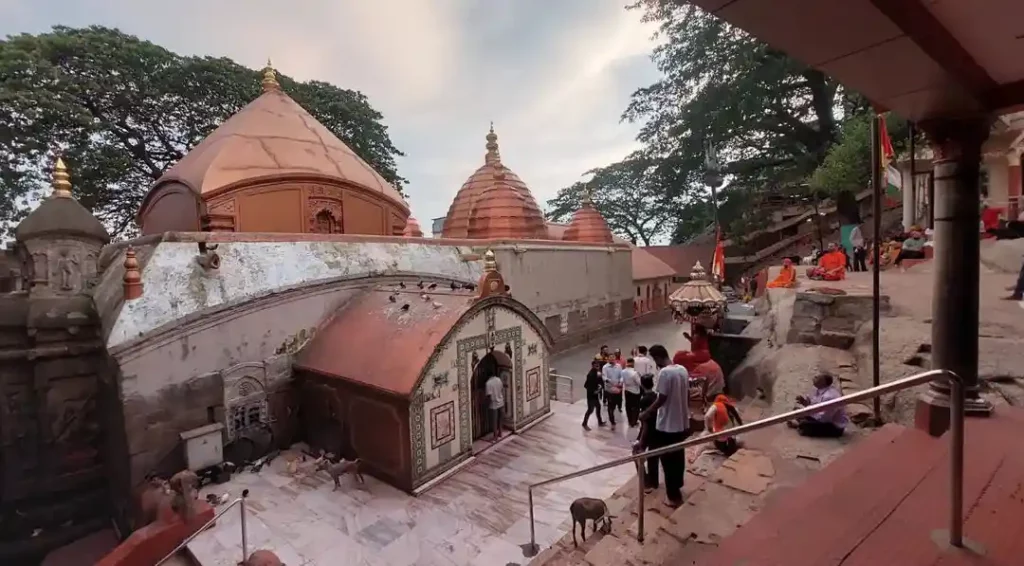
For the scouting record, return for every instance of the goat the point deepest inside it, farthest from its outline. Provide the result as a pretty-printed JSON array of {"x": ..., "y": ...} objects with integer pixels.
[
  {"x": 338, "y": 469},
  {"x": 589, "y": 508}
]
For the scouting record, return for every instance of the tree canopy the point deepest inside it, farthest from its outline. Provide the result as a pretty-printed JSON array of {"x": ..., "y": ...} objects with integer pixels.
[
  {"x": 772, "y": 119},
  {"x": 121, "y": 111}
]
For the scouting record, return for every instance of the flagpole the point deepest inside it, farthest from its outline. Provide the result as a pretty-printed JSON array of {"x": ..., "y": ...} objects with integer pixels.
[{"x": 876, "y": 236}]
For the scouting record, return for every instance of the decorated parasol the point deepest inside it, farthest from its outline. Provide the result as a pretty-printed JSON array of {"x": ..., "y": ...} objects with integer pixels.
[{"x": 698, "y": 301}]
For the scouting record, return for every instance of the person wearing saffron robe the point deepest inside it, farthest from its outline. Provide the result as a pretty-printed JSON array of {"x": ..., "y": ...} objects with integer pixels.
[
  {"x": 786, "y": 278},
  {"x": 831, "y": 266},
  {"x": 720, "y": 416},
  {"x": 700, "y": 350}
]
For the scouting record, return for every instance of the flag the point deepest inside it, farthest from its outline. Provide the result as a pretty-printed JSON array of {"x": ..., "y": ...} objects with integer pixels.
[
  {"x": 891, "y": 178},
  {"x": 718, "y": 262}
]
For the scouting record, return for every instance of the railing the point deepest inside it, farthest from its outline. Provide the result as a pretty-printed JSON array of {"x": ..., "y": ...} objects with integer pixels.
[
  {"x": 558, "y": 383},
  {"x": 241, "y": 513},
  {"x": 956, "y": 439}
]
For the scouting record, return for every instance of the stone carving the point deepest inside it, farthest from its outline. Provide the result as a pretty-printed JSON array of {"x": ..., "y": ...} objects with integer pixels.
[
  {"x": 324, "y": 191},
  {"x": 90, "y": 271},
  {"x": 40, "y": 269},
  {"x": 246, "y": 405},
  {"x": 68, "y": 270},
  {"x": 325, "y": 217},
  {"x": 224, "y": 207},
  {"x": 531, "y": 349},
  {"x": 617, "y": 310},
  {"x": 563, "y": 323}
]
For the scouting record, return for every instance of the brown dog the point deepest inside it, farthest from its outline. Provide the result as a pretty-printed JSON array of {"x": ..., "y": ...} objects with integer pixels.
[
  {"x": 336, "y": 470},
  {"x": 185, "y": 486}
]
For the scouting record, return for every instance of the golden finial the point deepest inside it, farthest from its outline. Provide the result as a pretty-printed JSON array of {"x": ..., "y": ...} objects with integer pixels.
[
  {"x": 493, "y": 157},
  {"x": 588, "y": 195},
  {"x": 61, "y": 180},
  {"x": 489, "y": 262},
  {"x": 269, "y": 81}
]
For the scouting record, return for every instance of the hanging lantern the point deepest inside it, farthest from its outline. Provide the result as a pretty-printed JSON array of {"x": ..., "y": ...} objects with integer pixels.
[{"x": 698, "y": 301}]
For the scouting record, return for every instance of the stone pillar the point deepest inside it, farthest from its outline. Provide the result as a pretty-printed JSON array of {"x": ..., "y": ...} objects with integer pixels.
[
  {"x": 957, "y": 147},
  {"x": 1013, "y": 184},
  {"x": 909, "y": 199}
]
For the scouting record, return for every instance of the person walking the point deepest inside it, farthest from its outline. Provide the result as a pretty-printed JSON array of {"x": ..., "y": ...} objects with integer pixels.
[
  {"x": 612, "y": 375},
  {"x": 632, "y": 390},
  {"x": 593, "y": 386},
  {"x": 672, "y": 422}
]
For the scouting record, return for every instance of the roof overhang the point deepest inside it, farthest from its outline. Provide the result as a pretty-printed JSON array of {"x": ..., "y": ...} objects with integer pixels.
[{"x": 920, "y": 58}]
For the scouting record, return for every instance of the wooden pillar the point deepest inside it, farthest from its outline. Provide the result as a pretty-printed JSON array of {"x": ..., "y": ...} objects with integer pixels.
[{"x": 957, "y": 148}]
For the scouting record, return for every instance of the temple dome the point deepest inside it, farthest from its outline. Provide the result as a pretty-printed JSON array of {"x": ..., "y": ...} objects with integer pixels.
[
  {"x": 412, "y": 229},
  {"x": 271, "y": 137},
  {"x": 502, "y": 212},
  {"x": 490, "y": 174},
  {"x": 61, "y": 215},
  {"x": 588, "y": 225}
]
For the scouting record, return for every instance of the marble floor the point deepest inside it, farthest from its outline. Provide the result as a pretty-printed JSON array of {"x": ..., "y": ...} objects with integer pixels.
[{"x": 478, "y": 516}]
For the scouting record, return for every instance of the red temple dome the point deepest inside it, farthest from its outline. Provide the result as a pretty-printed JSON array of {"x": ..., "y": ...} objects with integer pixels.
[
  {"x": 502, "y": 212},
  {"x": 412, "y": 229},
  {"x": 491, "y": 174},
  {"x": 588, "y": 225}
]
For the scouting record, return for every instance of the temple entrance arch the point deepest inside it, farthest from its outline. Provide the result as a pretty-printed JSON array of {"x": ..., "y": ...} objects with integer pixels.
[{"x": 493, "y": 363}]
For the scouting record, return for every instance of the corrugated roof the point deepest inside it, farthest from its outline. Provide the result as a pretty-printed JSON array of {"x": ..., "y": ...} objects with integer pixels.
[
  {"x": 647, "y": 266},
  {"x": 374, "y": 342}
]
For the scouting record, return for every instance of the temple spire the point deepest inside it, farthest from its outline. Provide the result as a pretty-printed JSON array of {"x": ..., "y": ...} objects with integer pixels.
[
  {"x": 269, "y": 81},
  {"x": 493, "y": 157},
  {"x": 588, "y": 195},
  {"x": 61, "y": 180}
]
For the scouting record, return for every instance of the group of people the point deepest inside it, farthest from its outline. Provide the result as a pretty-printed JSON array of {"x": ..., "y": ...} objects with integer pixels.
[{"x": 660, "y": 392}]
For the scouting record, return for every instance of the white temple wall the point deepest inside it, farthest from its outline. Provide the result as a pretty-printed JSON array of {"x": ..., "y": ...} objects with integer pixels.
[{"x": 529, "y": 369}]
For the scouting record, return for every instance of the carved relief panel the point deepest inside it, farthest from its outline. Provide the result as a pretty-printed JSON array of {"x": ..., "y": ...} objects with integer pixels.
[
  {"x": 325, "y": 212},
  {"x": 62, "y": 267},
  {"x": 246, "y": 406}
]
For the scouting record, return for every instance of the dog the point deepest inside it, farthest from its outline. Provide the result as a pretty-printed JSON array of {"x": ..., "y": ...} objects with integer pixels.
[
  {"x": 338, "y": 469},
  {"x": 589, "y": 508}
]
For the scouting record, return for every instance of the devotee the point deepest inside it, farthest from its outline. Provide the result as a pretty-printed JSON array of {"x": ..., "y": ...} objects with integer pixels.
[
  {"x": 721, "y": 415},
  {"x": 603, "y": 354},
  {"x": 617, "y": 358},
  {"x": 714, "y": 377},
  {"x": 828, "y": 423},
  {"x": 786, "y": 279},
  {"x": 644, "y": 364},
  {"x": 859, "y": 252},
  {"x": 648, "y": 431},
  {"x": 831, "y": 266},
  {"x": 632, "y": 390},
  {"x": 593, "y": 386},
  {"x": 495, "y": 389},
  {"x": 612, "y": 375},
  {"x": 913, "y": 248},
  {"x": 673, "y": 421}
]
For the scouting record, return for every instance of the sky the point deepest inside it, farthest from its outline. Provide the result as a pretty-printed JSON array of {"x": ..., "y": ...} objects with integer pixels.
[{"x": 553, "y": 75}]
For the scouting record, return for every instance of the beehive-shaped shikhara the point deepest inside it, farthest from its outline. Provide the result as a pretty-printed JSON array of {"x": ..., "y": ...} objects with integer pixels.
[
  {"x": 412, "y": 229},
  {"x": 494, "y": 181},
  {"x": 588, "y": 225}
]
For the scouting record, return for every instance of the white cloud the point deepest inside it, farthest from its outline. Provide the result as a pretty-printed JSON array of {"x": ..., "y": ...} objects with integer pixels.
[{"x": 553, "y": 77}]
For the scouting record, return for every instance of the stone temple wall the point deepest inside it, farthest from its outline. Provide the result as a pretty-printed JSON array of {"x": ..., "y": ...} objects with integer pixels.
[{"x": 830, "y": 320}]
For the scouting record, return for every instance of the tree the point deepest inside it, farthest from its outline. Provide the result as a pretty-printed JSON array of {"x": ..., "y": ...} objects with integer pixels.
[
  {"x": 772, "y": 118},
  {"x": 847, "y": 167},
  {"x": 630, "y": 196},
  {"x": 121, "y": 111}
]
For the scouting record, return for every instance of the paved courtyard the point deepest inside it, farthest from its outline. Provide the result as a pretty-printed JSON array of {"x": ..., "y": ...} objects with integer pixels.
[{"x": 477, "y": 516}]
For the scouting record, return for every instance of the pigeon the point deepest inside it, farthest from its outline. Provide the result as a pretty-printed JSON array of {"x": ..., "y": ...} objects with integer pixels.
[
  {"x": 425, "y": 297},
  {"x": 437, "y": 305},
  {"x": 420, "y": 284},
  {"x": 454, "y": 286},
  {"x": 402, "y": 285},
  {"x": 405, "y": 307},
  {"x": 469, "y": 286},
  {"x": 392, "y": 298},
  {"x": 432, "y": 286}
]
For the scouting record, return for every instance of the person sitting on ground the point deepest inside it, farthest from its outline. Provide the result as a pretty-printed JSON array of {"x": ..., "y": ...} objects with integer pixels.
[
  {"x": 721, "y": 415},
  {"x": 831, "y": 266},
  {"x": 828, "y": 423},
  {"x": 786, "y": 278},
  {"x": 913, "y": 248}
]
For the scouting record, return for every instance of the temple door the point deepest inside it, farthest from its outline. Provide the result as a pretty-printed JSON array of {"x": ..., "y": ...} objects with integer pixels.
[{"x": 482, "y": 371}]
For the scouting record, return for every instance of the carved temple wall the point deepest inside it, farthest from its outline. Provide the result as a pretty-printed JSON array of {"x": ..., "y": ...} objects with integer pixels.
[{"x": 306, "y": 207}]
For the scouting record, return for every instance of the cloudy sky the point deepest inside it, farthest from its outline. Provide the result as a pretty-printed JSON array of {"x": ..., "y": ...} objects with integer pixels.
[{"x": 553, "y": 75}]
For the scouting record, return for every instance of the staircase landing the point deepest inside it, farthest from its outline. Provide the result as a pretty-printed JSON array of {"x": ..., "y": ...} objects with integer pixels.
[{"x": 889, "y": 504}]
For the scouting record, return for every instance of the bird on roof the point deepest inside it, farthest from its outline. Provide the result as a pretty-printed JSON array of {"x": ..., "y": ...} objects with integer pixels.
[
  {"x": 401, "y": 284},
  {"x": 454, "y": 286},
  {"x": 469, "y": 286},
  {"x": 432, "y": 286},
  {"x": 419, "y": 284},
  {"x": 425, "y": 296},
  {"x": 404, "y": 307},
  {"x": 436, "y": 305},
  {"x": 392, "y": 298}
]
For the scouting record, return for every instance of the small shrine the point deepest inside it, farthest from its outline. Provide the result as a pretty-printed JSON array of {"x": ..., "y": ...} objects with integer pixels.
[{"x": 698, "y": 301}]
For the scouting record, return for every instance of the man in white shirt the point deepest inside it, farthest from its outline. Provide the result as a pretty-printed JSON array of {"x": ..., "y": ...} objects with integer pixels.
[
  {"x": 495, "y": 389},
  {"x": 673, "y": 421},
  {"x": 645, "y": 365},
  {"x": 631, "y": 389},
  {"x": 612, "y": 375}
]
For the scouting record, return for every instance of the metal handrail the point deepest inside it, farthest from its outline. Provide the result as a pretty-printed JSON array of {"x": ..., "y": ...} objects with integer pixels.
[
  {"x": 956, "y": 439},
  {"x": 241, "y": 510}
]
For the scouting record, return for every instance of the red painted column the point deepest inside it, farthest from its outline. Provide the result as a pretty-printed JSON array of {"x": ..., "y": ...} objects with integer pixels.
[{"x": 1013, "y": 189}]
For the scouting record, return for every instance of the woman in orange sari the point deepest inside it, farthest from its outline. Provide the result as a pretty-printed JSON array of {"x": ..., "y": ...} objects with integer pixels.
[{"x": 786, "y": 278}]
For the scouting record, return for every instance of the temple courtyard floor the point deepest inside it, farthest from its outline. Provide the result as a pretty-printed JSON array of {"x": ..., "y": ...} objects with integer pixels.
[{"x": 479, "y": 515}]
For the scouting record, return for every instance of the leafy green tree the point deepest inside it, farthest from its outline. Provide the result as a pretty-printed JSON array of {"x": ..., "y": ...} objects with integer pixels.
[
  {"x": 122, "y": 111},
  {"x": 847, "y": 167},
  {"x": 629, "y": 194},
  {"x": 772, "y": 118}
]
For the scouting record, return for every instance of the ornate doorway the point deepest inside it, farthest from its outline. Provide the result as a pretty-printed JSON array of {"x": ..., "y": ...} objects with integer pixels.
[{"x": 493, "y": 363}]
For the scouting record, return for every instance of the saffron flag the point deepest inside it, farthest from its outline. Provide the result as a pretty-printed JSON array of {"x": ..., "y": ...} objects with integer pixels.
[
  {"x": 718, "y": 262},
  {"x": 891, "y": 178}
]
